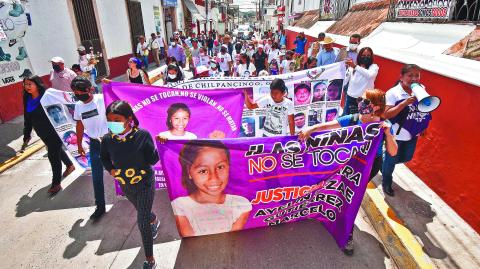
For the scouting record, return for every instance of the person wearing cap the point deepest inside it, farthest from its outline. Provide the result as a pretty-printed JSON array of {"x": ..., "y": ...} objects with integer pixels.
[
  {"x": 61, "y": 77},
  {"x": 279, "y": 111},
  {"x": 260, "y": 59},
  {"x": 91, "y": 120},
  {"x": 177, "y": 51},
  {"x": 301, "y": 42},
  {"x": 225, "y": 60},
  {"x": 142, "y": 50},
  {"x": 155, "y": 46},
  {"x": 316, "y": 47},
  {"x": 329, "y": 54},
  {"x": 86, "y": 62}
]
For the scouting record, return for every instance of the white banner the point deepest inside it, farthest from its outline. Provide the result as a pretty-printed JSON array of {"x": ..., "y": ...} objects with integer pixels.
[
  {"x": 316, "y": 94},
  {"x": 60, "y": 107}
]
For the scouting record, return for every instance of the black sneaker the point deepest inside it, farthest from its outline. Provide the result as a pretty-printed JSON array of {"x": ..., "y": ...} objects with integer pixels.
[
  {"x": 155, "y": 226},
  {"x": 348, "y": 250},
  {"x": 99, "y": 211},
  {"x": 149, "y": 265},
  {"x": 388, "y": 191}
]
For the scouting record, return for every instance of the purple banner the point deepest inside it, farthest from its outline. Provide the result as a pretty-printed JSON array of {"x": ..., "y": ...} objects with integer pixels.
[
  {"x": 234, "y": 184},
  {"x": 193, "y": 113}
]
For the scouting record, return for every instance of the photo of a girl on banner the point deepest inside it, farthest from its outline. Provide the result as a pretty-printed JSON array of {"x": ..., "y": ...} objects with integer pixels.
[
  {"x": 178, "y": 115},
  {"x": 208, "y": 209}
]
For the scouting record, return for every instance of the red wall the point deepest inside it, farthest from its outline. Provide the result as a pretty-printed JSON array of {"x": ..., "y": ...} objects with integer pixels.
[
  {"x": 11, "y": 95},
  {"x": 445, "y": 159},
  {"x": 118, "y": 66},
  {"x": 11, "y": 100}
]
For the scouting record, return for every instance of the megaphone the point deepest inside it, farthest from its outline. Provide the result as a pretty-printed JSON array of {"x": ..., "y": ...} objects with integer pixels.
[{"x": 426, "y": 103}]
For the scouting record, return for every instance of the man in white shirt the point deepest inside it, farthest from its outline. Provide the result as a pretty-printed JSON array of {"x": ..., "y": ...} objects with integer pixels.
[
  {"x": 162, "y": 44},
  {"x": 225, "y": 60},
  {"x": 61, "y": 77},
  {"x": 142, "y": 51},
  {"x": 155, "y": 46},
  {"x": 91, "y": 121}
]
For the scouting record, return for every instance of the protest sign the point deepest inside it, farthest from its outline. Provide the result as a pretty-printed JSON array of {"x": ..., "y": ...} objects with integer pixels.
[
  {"x": 59, "y": 107},
  {"x": 316, "y": 94},
  {"x": 169, "y": 112},
  {"x": 234, "y": 184}
]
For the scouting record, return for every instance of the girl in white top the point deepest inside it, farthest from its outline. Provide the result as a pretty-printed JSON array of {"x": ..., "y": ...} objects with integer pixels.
[
  {"x": 364, "y": 73},
  {"x": 208, "y": 209},
  {"x": 178, "y": 115},
  {"x": 245, "y": 69},
  {"x": 274, "y": 53}
]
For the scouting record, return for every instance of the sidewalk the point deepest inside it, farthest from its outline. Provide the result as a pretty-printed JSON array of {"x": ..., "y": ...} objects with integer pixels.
[{"x": 445, "y": 239}]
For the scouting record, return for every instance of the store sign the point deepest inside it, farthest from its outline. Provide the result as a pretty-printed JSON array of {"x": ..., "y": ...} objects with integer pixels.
[
  {"x": 170, "y": 3},
  {"x": 423, "y": 9}
]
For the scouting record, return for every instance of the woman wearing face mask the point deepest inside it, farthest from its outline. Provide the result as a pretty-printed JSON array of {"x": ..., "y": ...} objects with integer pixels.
[
  {"x": 371, "y": 107},
  {"x": 225, "y": 61},
  {"x": 135, "y": 74},
  {"x": 274, "y": 52},
  {"x": 214, "y": 70},
  {"x": 246, "y": 69},
  {"x": 36, "y": 119},
  {"x": 173, "y": 74},
  {"x": 364, "y": 73},
  {"x": 285, "y": 65},
  {"x": 128, "y": 154}
]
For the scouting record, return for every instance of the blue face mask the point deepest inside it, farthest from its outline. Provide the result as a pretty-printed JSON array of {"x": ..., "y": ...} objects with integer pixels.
[{"x": 116, "y": 127}]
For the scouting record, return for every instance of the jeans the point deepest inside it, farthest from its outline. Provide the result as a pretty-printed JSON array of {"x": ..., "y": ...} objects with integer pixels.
[
  {"x": 162, "y": 53},
  {"x": 145, "y": 61},
  {"x": 405, "y": 154},
  {"x": 97, "y": 173},
  {"x": 56, "y": 155},
  {"x": 350, "y": 106},
  {"x": 210, "y": 51}
]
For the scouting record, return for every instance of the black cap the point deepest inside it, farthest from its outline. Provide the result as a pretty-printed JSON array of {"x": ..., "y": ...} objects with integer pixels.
[
  {"x": 278, "y": 84},
  {"x": 80, "y": 83}
]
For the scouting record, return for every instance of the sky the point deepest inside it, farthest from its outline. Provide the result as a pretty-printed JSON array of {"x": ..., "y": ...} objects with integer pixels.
[{"x": 245, "y": 5}]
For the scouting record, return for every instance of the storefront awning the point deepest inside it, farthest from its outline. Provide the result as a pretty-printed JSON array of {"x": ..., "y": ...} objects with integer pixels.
[{"x": 196, "y": 15}]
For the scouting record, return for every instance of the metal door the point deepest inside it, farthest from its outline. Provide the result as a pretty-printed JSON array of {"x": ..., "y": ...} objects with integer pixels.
[{"x": 88, "y": 30}]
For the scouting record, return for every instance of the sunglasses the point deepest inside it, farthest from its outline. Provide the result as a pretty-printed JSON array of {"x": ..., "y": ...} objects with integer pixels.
[{"x": 366, "y": 101}]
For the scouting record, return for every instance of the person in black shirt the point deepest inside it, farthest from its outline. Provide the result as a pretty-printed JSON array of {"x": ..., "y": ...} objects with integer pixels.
[
  {"x": 260, "y": 59},
  {"x": 128, "y": 154},
  {"x": 35, "y": 118}
]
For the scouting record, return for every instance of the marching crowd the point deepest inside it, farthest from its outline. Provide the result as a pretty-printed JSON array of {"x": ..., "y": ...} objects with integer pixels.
[{"x": 118, "y": 145}]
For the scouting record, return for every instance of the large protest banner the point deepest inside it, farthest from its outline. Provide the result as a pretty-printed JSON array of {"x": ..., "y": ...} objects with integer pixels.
[
  {"x": 233, "y": 184},
  {"x": 210, "y": 114},
  {"x": 59, "y": 107},
  {"x": 316, "y": 94}
]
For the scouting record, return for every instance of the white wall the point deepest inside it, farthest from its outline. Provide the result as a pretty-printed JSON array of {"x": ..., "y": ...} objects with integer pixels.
[
  {"x": 180, "y": 17},
  {"x": 114, "y": 24},
  {"x": 148, "y": 18},
  {"x": 306, "y": 5},
  {"x": 51, "y": 34}
]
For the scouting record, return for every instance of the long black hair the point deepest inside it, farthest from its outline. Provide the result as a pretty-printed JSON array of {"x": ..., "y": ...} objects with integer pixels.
[
  {"x": 122, "y": 108},
  {"x": 40, "y": 86},
  {"x": 360, "y": 54}
]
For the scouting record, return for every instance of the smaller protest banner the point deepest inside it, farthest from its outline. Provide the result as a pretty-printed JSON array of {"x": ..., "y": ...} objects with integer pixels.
[
  {"x": 60, "y": 107},
  {"x": 180, "y": 113}
]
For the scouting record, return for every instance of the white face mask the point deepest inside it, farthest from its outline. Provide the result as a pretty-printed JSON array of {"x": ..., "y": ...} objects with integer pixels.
[
  {"x": 174, "y": 44},
  {"x": 353, "y": 46},
  {"x": 172, "y": 76}
]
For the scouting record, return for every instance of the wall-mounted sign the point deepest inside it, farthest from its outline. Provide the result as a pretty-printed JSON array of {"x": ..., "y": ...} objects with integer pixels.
[
  {"x": 423, "y": 9},
  {"x": 169, "y": 3}
]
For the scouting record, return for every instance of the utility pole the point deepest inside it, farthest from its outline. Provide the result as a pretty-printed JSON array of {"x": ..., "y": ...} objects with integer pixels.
[{"x": 206, "y": 14}]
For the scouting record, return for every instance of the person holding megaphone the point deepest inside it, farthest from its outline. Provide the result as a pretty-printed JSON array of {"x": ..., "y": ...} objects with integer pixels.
[{"x": 408, "y": 107}]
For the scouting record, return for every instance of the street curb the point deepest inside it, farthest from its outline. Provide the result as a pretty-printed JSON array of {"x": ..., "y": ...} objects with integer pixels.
[
  {"x": 27, "y": 153},
  {"x": 404, "y": 249}
]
